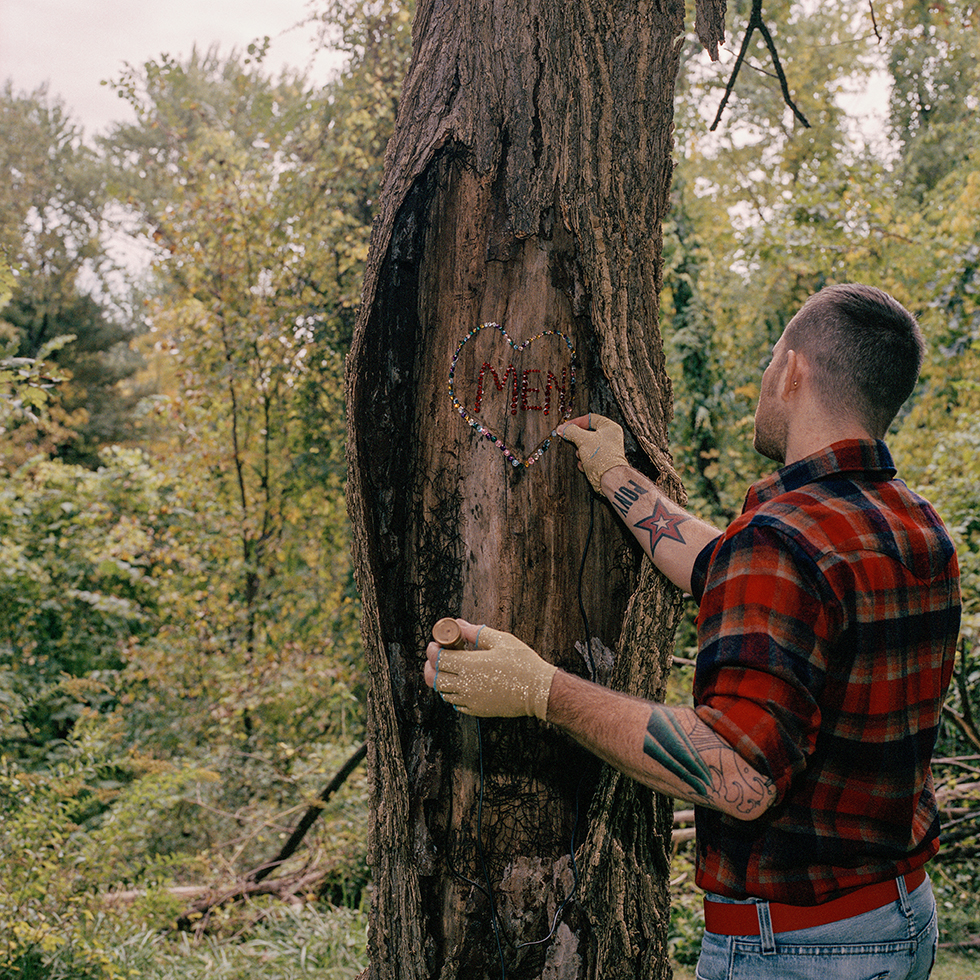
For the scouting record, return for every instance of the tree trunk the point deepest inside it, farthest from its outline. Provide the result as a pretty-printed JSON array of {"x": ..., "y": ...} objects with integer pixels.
[{"x": 525, "y": 187}]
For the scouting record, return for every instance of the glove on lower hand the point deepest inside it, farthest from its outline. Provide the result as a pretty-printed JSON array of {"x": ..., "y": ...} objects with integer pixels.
[
  {"x": 600, "y": 447},
  {"x": 504, "y": 678}
]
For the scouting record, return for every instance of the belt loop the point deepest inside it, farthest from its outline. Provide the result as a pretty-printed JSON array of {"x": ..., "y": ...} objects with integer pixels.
[
  {"x": 903, "y": 894},
  {"x": 766, "y": 937},
  {"x": 905, "y": 905}
]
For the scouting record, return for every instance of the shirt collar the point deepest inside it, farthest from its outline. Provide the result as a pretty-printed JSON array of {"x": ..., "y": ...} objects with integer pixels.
[{"x": 870, "y": 457}]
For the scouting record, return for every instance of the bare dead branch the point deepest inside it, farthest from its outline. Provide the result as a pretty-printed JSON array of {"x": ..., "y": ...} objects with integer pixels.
[
  {"x": 284, "y": 888},
  {"x": 969, "y": 724},
  {"x": 196, "y": 917},
  {"x": 874, "y": 23},
  {"x": 960, "y": 761},
  {"x": 756, "y": 23},
  {"x": 309, "y": 817}
]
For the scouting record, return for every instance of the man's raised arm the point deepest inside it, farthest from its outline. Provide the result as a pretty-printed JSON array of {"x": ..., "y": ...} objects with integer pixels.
[{"x": 671, "y": 537}]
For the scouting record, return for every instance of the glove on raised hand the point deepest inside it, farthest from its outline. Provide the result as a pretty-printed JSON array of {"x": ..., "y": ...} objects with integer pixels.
[
  {"x": 600, "y": 448},
  {"x": 504, "y": 678}
]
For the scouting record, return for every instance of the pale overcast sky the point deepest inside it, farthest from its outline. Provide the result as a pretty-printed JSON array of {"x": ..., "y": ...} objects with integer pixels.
[{"x": 74, "y": 44}]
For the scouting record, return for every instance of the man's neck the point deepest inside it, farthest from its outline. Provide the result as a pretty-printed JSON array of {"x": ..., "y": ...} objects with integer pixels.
[{"x": 810, "y": 435}]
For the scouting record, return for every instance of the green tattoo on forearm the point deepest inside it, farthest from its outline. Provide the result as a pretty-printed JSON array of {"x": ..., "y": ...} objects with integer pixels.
[
  {"x": 668, "y": 744},
  {"x": 704, "y": 762}
]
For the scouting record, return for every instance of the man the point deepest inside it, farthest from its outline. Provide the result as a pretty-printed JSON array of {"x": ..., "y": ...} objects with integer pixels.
[{"x": 827, "y": 625}]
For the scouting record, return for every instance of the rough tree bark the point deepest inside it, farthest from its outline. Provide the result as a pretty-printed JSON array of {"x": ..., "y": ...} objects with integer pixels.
[{"x": 525, "y": 186}]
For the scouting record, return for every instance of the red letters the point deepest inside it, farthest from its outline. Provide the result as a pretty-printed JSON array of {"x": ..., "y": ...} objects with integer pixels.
[{"x": 522, "y": 402}]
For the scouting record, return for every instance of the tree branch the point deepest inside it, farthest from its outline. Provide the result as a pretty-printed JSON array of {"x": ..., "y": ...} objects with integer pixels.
[
  {"x": 253, "y": 883},
  {"x": 874, "y": 22},
  {"x": 965, "y": 944},
  {"x": 196, "y": 917},
  {"x": 756, "y": 23},
  {"x": 309, "y": 817},
  {"x": 968, "y": 723},
  {"x": 964, "y": 726}
]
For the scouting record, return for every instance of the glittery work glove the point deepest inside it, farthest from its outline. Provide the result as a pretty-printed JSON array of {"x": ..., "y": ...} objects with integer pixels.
[
  {"x": 600, "y": 446},
  {"x": 504, "y": 678}
]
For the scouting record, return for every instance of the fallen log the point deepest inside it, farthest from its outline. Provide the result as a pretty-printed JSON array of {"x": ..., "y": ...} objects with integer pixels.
[
  {"x": 285, "y": 889},
  {"x": 255, "y": 883}
]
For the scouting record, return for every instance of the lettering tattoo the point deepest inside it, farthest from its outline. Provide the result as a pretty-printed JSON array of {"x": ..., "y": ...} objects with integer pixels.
[
  {"x": 627, "y": 495},
  {"x": 706, "y": 763},
  {"x": 661, "y": 524}
]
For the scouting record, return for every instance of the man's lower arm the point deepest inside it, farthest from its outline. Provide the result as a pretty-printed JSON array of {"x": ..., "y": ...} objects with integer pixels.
[
  {"x": 671, "y": 537},
  {"x": 666, "y": 748}
]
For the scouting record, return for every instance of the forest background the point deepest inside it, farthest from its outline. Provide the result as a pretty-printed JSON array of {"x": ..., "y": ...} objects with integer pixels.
[{"x": 180, "y": 670}]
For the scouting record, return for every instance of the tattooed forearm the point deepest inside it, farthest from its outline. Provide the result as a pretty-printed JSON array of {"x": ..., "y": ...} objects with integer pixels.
[
  {"x": 716, "y": 775},
  {"x": 661, "y": 524}
]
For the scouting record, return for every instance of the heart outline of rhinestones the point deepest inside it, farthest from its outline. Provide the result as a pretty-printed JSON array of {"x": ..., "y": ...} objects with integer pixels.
[{"x": 516, "y": 460}]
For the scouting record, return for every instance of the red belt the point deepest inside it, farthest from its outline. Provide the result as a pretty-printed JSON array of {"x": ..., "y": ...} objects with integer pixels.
[{"x": 727, "y": 919}]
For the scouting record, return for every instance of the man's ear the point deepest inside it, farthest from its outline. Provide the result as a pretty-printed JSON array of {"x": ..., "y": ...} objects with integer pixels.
[{"x": 795, "y": 373}]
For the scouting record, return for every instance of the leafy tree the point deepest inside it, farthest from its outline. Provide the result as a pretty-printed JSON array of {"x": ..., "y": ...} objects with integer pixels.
[
  {"x": 241, "y": 634},
  {"x": 933, "y": 64},
  {"x": 52, "y": 193},
  {"x": 252, "y": 293},
  {"x": 763, "y": 213},
  {"x": 51, "y": 230},
  {"x": 258, "y": 195},
  {"x": 196, "y": 600}
]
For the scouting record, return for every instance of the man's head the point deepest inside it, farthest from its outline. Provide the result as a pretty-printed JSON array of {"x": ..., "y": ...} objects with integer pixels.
[{"x": 861, "y": 350}]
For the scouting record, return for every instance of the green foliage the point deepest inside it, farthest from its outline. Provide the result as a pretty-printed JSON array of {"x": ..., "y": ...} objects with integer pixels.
[
  {"x": 758, "y": 211},
  {"x": 933, "y": 61},
  {"x": 686, "y": 910},
  {"x": 285, "y": 944},
  {"x": 25, "y": 386},
  {"x": 52, "y": 194},
  {"x": 57, "y": 847},
  {"x": 958, "y": 903},
  {"x": 180, "y": 670},
  {"x": 258, "y": 194},
  {"x": 92, "y": 847},
  {"x": 76, "y": 589},
  {"x": 6, "y": 281},
  {"x": 51, "y": 232}
]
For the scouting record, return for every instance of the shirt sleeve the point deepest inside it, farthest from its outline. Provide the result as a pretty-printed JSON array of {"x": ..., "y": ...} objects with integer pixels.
[
  {"x": 700, "y": 570},
  {"x": 763, "y": 626}
]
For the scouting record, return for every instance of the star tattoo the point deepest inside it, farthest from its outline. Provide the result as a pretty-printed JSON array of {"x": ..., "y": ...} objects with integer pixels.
[{"x": 662, "y": 524}]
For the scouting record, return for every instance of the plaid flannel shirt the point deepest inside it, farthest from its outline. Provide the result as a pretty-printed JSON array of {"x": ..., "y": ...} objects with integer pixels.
[{"x": 827, "y": 628}]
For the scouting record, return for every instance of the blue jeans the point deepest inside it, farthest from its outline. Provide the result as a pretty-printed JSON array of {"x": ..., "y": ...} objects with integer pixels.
[{"x": 895, "y": 942}]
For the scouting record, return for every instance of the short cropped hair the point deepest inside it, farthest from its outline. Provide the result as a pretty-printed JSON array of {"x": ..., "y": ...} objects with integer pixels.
[{"x": 865, "y": 349}]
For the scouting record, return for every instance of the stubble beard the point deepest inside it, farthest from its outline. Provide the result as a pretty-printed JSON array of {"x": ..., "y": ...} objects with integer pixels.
[{"x": 769, "y": 437}]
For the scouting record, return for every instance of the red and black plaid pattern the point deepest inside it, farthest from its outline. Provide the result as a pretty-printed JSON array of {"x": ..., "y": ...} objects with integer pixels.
[{"x": 829, "y": 614}]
